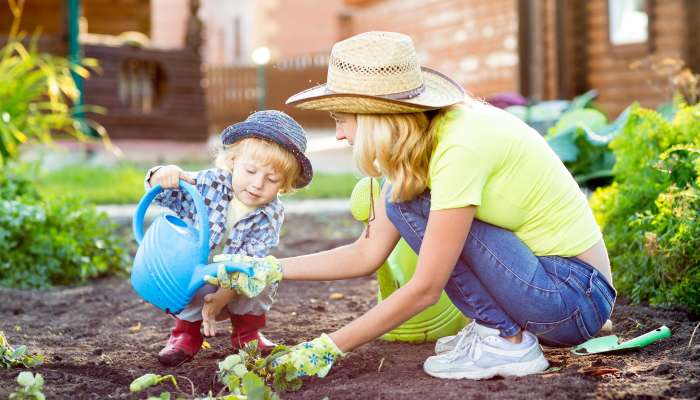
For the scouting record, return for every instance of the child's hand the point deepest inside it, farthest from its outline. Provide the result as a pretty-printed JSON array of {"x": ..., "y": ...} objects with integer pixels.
[
  {"x": 168, "y": 177},
  {"x": 213, "y": 304}
]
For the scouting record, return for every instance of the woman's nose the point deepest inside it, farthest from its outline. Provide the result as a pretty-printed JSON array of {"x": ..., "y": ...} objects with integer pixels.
[{"x": 339, "y": 135}]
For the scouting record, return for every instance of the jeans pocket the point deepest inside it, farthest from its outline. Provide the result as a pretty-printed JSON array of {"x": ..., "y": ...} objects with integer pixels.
[{"x": 569, "y": 331}]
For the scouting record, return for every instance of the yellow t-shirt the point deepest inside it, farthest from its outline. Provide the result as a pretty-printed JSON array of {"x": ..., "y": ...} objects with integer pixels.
[
  {"x": 488, "y": 158},
  {"x": 235, "y": 211}
]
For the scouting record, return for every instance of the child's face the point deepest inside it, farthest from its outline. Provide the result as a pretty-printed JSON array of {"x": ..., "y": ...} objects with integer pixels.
[
  {"x": 345, "y": 126},
  {"x": 254, "y": 183}
]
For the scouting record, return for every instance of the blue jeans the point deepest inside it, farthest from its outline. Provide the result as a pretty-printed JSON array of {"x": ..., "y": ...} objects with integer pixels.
[{"x": 498, "y": 282}]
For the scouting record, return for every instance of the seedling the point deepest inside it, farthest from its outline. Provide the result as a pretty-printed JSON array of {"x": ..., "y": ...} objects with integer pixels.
[
  {"x": 145, "y": 381},
  {"x": 11, "y": 357},
  {"x": 245, "y": 376},
  {"x": 248, "y": 373},
  {"x": 30, "y": 387}
]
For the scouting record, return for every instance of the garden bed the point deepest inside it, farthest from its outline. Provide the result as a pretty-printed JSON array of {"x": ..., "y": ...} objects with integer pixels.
[{"x": 97, "y": 338}]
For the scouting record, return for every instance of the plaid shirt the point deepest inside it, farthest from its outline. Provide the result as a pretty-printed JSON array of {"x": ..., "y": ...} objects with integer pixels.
[{"x": 254, "y": 235}]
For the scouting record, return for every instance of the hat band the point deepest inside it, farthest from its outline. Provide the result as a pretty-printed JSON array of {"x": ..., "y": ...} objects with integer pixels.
[{"x": 407, "y": 95}]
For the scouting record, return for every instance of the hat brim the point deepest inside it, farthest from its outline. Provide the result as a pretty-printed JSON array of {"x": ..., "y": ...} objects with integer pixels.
[
  {"x": 242, "y": 130},
  {"x": 439, "y": 91}
]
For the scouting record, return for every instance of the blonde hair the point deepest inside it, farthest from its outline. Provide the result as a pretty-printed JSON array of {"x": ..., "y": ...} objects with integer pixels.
[
  {"x": 266, "y": 152},
  {"x": 398, "y": 146}
]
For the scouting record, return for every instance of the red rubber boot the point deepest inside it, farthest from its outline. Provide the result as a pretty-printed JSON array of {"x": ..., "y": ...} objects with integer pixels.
[
  {"x": 185, "y": 341},
  {"x": 246, "y": 328}
]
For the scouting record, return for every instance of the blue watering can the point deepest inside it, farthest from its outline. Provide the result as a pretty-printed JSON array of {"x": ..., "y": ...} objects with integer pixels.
[{"x": 171, "y": 260}]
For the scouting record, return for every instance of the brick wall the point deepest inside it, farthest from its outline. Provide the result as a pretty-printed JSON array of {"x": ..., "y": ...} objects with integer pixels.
[{"x": 473, "y": 41}]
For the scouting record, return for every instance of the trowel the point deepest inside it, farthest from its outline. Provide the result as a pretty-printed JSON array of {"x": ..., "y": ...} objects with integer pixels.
[{"x": 612, "y": 343}]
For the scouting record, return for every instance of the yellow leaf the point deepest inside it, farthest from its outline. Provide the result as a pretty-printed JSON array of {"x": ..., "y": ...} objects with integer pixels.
[
  {"x": 336, "y": 296},
  {"x": 206, "y": 345},
  {"x": 135, "y": 328}
]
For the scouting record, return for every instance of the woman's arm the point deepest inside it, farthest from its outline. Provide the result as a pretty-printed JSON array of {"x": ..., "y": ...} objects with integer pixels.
[
  {"x": 444, "y": 240},
  {"x": 360, "y": 258}
]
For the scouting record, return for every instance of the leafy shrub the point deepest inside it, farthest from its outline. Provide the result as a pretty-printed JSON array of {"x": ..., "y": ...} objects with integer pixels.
[
  {"x": 651, "y": 213},
  {"x": 46, "y": 241},
  {"x": 11, "y": 357},
  {"x": 37, "y": 94}
]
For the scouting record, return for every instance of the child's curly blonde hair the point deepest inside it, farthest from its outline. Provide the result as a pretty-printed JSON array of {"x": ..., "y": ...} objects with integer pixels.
[{"x": 266, "y": 152}]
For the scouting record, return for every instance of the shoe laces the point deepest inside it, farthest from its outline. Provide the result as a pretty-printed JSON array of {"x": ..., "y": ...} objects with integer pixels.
[{"x": 467, "y": 343}]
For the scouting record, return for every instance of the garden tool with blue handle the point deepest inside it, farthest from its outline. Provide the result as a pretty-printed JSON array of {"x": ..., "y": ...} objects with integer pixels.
[{"x": 171, "y": 261}]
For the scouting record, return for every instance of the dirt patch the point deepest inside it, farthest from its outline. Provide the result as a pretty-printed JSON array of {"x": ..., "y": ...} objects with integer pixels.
[{"x": 92, "y": 353}]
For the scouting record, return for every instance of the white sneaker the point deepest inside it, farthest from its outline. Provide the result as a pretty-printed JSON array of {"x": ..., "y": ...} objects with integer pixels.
[{"x": 484, "y": 354}]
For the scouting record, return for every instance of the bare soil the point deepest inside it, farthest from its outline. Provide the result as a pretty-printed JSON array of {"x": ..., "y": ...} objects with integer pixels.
[{"x": 93, "y": 350}]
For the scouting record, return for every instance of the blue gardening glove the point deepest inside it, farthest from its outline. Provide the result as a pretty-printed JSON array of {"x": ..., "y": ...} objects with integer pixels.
[
  {"x": 266, "y": 271},
  {"x": 312, "y": 358}
]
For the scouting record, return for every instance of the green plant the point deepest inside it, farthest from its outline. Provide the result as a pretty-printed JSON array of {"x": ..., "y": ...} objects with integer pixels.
[
  {"x": 16, "y": 357},
  {"x": 249, "y": 371},
  {"x": 651, "y": 213},
  {"x": 245, "y": 376},
  {"x": 30, "y": 387},
  {"x": 37, "y": 93},
  {"x": 56, "y": 240}
]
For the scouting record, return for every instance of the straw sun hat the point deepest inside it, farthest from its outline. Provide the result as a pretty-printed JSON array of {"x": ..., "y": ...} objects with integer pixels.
[{"x": 378, "y": 73}]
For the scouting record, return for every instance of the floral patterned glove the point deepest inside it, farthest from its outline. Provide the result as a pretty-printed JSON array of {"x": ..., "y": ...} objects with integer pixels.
[
  {"x": 312, "y": 358},
  {"x": 266, "y": 271}
]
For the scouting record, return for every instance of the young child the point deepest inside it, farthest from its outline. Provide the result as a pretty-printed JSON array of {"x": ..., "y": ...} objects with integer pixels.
[{"x": 260, "y": 158}]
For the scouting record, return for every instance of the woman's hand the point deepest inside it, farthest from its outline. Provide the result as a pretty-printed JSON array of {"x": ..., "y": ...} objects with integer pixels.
[
  {"x": 213, "y": 304},
  {"x": 168, "y": 177},
  {"x": 312, "y": 358},
  {"x": 266, "y": 271}
]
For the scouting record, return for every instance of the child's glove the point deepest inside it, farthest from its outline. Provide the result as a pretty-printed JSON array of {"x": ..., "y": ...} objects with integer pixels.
[
  {"x": 266, "y": 271},
  {"x": 312, "y": 358}
]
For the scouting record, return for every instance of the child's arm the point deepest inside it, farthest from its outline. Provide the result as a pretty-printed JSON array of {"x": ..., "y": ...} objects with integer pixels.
[{"x": 213, "y": 304}]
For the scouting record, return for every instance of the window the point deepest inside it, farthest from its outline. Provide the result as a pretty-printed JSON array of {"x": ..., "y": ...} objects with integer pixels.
[{"x": 629, "y": 22}]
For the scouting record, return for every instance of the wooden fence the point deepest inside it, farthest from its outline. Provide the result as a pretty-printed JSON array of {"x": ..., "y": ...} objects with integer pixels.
[{"x": 233, "y": 91}]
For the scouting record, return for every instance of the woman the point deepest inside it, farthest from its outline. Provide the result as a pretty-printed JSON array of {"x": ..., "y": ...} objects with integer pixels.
[{"x": 495, "y": 218}]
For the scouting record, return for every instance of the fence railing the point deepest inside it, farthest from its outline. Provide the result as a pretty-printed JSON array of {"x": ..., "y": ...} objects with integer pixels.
[{"x": 233, "y": 91}]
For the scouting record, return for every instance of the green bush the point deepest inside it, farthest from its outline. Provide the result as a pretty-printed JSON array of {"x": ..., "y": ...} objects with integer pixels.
[
  {"x": 38, "y": 95},
  {"x": 650, "y": 215},
  {"x": 46, "y": 241}
]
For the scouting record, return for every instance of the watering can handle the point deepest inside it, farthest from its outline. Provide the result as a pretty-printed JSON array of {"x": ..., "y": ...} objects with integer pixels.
[{"x": 199, "y": 206}]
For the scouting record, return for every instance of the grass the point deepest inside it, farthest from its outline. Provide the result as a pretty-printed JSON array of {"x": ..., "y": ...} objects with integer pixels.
[{"x": 123, "y": 184}]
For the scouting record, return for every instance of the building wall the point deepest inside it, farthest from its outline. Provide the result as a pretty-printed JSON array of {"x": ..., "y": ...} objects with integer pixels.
[
  {"x": 473, "y": 41},
  {"x": 112, "y": 17},
  {"x": 608, "y": 66},
  {"x": 229, "y": 29},
  {"x": 49, "y": 14},
  {"x": 301, "y": 27},
  {"x": 169, "y": 23},
  {"x": 693, "y": 7}
]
